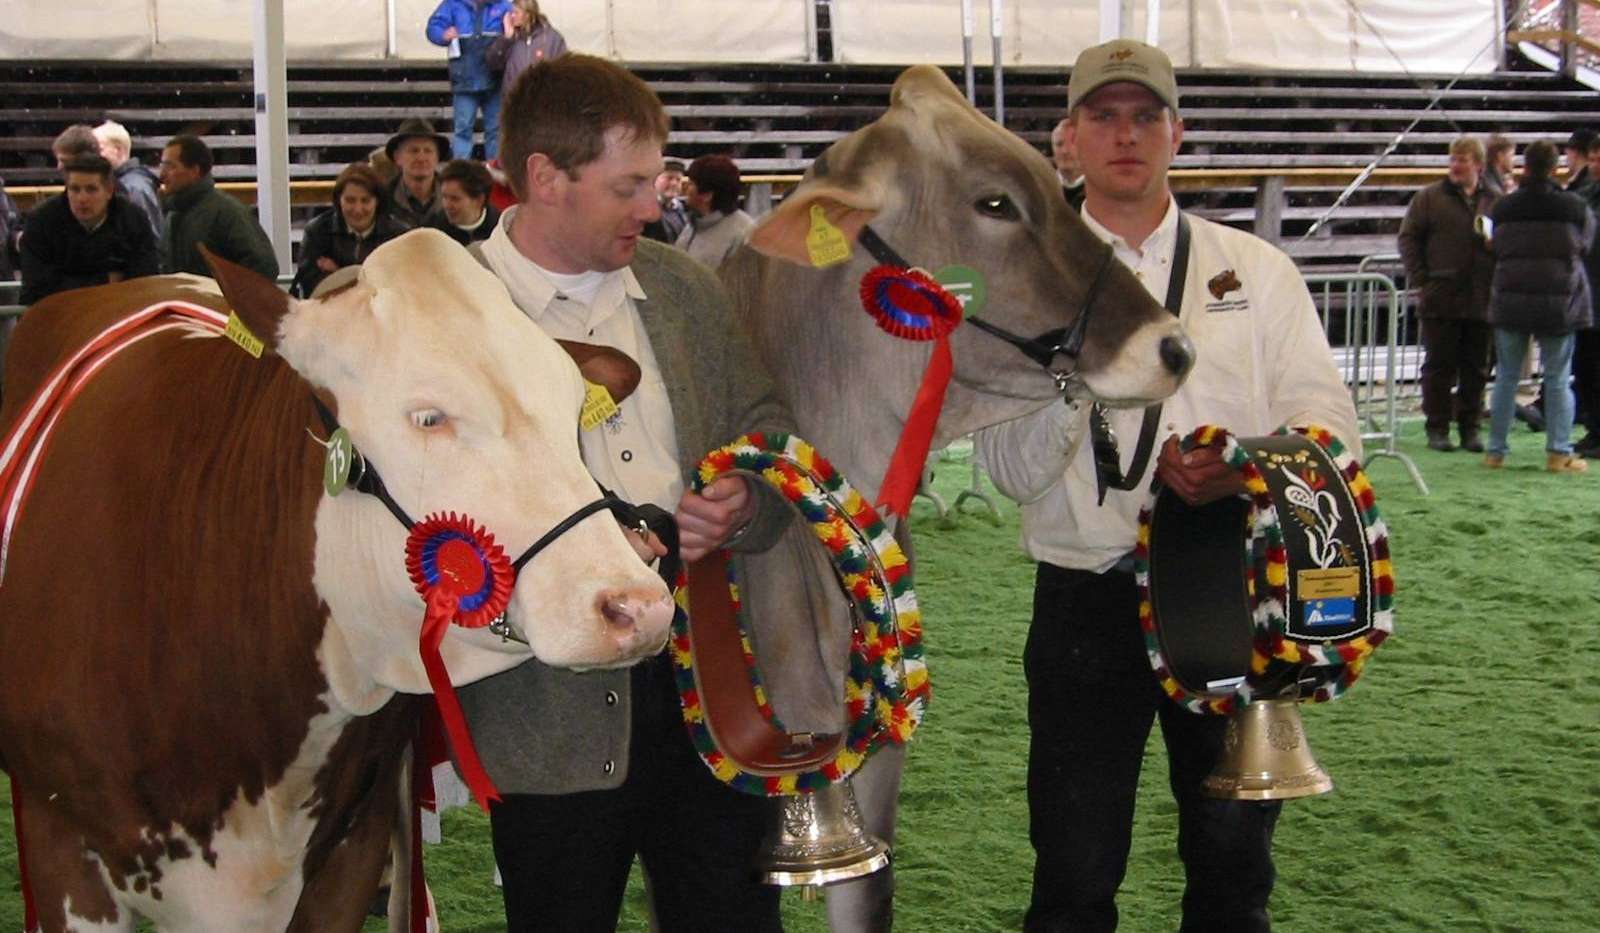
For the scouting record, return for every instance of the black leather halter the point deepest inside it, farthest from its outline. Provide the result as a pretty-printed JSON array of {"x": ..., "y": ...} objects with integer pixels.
[
  {"x": 364, "y": 478},
  {"x": 1043, "y": 349}
]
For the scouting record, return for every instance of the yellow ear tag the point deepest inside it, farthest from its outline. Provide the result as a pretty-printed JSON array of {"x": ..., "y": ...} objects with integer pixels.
[
  {"x": 826, "y": 245},
  {"x": 240, "y": 334},
  {"x": 597, "y": 406}
]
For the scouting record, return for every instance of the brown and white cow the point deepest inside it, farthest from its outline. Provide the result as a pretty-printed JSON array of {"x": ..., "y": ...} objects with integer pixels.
[
  {"x": 942, "y": 185},
  {"x": 206, "y": 662}
]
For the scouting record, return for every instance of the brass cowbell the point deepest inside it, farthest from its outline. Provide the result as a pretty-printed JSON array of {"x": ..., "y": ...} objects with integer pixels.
[
  {"x": 1265, "y": 755},
  {"x": 819, "y": 839}
]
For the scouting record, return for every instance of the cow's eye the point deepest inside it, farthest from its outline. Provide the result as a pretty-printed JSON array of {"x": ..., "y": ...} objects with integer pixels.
[
  {"x": 998, "y": 206},
  {"x": 427, "y": 418}
]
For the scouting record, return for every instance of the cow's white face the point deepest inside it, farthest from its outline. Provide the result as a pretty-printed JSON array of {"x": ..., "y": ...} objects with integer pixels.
[
  {"x": 463, "y": 405},
  {"x": 945, "y": 185}
]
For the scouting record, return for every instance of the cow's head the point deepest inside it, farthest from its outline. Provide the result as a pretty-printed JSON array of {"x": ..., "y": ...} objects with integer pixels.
[
  {"x": 464, "y": 405},
  {"x": 944, "y": 185}
]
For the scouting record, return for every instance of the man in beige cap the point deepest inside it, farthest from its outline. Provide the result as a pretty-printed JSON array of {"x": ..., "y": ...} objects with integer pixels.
[{"x": 1263, "y": 362}]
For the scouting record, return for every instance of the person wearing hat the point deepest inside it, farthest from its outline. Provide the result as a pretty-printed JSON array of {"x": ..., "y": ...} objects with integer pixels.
[
  {"x": 1262, "y": 362},
  {"x": 1577, "y": 151},
  {"x": 717, "y": 226},
  {"x": 417, "y": 151}
]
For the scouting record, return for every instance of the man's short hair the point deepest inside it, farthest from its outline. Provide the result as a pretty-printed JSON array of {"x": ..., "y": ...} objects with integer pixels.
[
  {"x": 1581, "y": 139},
  {"x": 673, "y": 165},
  {"x": 192, "y": 151},
  {"x": 564, "y": 107},
  {"x": 1468, "y": 146},
  {"x": 1538, "y": 160},
  {"x": 114, "y": 134},
  {"x": 1497, "y": 145},
  {"x": 473, "y": 178},
  {"x": 96, "y": 164},
  {"x": 719, "y": 176},
  {"x": 74, "y": 141}
]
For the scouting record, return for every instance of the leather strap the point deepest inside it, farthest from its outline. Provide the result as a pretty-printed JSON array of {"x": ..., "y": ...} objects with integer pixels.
[
  {"x": 722, "y": 679},
  {"x": 1098, "y": 424}
]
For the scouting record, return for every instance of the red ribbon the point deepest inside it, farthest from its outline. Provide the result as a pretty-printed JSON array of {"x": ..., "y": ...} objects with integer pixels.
[
  {"x": 900, "y": 481},
  {"x": 441, "y": 610}
]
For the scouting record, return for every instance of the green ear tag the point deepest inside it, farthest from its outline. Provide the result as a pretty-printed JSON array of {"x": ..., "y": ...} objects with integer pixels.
[
  {"x": 967, "y": 285},
  {"x": 336, "y": 468}
]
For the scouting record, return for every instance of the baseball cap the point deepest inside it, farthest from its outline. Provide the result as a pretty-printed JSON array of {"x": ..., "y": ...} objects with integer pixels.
[{"x": 1123, "y": 60}]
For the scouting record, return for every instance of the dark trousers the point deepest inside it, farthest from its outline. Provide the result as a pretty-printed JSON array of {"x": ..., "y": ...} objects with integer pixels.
[
  {"x": 1455, "y": 356},
  {"x": 565, "y": 858},
  {"x": 1586, "y": 378},
  {"x": 1091, "y": 699}
]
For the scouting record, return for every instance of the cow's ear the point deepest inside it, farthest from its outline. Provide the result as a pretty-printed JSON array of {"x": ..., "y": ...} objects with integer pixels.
[
  {"x": 605, "y": 366},
  {"x": 258, "y": 300},
  {"x": 782, "y": 234}
]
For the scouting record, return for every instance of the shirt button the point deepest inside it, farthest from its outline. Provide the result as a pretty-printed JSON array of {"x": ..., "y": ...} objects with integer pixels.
[
  {"x": 609, "y": 766},
  {"x": 611, "y": 698},
  {"x": 627, "y": 456}
]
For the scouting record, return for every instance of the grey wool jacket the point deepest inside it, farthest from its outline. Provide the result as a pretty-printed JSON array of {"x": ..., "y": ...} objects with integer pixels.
[{"x": 546, "y": 730}]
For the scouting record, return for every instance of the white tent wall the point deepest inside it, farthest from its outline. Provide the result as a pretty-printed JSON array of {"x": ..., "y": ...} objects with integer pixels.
[
  {"x": 1442, "y": 36},
  {"x": 316, "y": 30}
]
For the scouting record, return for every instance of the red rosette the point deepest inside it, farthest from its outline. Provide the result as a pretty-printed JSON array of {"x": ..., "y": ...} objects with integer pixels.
[
  {"x": 464, "y": 578},
  {"x": 908, "y": 303}
]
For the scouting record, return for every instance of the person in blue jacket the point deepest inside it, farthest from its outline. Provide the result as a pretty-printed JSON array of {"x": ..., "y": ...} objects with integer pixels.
[{"x": 467, "y": 28}]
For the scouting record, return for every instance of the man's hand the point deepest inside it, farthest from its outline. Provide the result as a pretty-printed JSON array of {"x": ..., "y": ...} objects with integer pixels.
[
  {"x": 450, "y": 33},
  {"x": 327, "y": 265},
  {"x": 710, "y": 517},
  {"x": 1198, "y": 476}
]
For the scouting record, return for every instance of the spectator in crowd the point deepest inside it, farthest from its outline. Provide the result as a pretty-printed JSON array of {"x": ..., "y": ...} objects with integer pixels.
[
  {"x": 85, "y": 235},
  {"x": 1586, "y": 342},
  {"x": 1541, "y": 235},
  {"x": 1447, "y": 257},
  {"x": 347, "y": 233},
  {"x": 1091, "y": 695},
  {"x": 1066, "y": 162},
  {"x": 1579, "y": 175},
  {"x": 378, "y": 160},
  {"x": 198, "y": 213},
  {"x": 74, "y": 142},
  {"x": 417, "y": 151},
  {"x": 467, "y": 28},
  {"x": 717, "y": 226},
  {"x": 10, "y": 233},
  {"x": 1499, "y": 154},
  {"x": 595, "y": 768},
  {"x": 669, "y": 197},
  {"x": 464, "y": 213},
  {"x": 528, "y": 40},
  {"x": 135, "y": 181}
]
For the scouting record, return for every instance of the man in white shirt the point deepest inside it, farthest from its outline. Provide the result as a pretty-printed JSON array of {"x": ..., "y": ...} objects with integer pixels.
[
  {"x": 597, "y": 767},
  {"x": 1262, "y": 362}
]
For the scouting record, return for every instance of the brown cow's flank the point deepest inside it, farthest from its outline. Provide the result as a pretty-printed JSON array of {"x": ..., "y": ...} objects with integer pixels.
[{"x": 215, "y": 426}]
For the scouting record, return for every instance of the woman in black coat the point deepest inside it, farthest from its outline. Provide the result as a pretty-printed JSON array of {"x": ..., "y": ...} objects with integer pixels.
[
  {"x": 1540, "y": 237},
  {"x": 358, "y": 223}
]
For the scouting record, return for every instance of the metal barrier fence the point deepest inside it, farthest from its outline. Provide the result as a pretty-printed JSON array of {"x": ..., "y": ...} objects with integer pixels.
[{"x": 1364, "y": 315}]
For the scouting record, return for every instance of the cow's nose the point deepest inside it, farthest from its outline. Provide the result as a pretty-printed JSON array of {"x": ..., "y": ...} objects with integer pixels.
[
  {"x": 628, "y": 612},
  {"x": 1177, "y": 353}
]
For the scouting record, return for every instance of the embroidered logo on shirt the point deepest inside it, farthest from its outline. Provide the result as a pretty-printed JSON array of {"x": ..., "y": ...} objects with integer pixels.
[{"x": 1222, "y": 283}]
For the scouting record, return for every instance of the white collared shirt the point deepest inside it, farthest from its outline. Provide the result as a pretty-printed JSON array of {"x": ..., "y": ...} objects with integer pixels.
[
  {"x": 635, "y": 453},
  {"x": 1262, "y": 362}
]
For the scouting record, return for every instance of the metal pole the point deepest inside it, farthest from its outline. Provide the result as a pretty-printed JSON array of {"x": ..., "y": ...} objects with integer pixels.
[
  {"x": 392, "y": 49},
  {"x": 272, "y": 127},
  {"x": 996, "y": 14},
  {"x": 968, "y": 27},
  {"x": 1152, "y": 22},
  {"x": 1110, "y": 20},
  {"x": 811, "y": 29}
]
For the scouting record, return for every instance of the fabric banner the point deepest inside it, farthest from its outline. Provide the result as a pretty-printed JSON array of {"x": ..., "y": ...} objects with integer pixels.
[
  {"x": 1299, "y": 35},
  {"x": 355, "y": 30}
]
